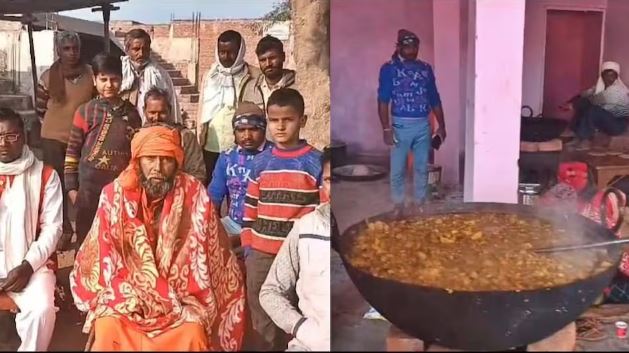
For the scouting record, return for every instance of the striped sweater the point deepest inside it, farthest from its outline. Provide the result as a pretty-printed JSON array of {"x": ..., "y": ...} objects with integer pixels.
[{"x": 284, "y": 185}]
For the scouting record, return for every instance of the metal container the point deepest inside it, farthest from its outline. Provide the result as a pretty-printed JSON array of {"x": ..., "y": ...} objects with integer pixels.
[
  {"x": 528, "y": 193},
  {"x": 434, "y": 179},
  {"x": 482, "y": 320}
]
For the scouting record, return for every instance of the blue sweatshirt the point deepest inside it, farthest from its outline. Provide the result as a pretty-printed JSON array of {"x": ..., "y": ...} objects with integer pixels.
[
  {"x": 409, "y": 86},
  {"x": 230, "y": 178}
]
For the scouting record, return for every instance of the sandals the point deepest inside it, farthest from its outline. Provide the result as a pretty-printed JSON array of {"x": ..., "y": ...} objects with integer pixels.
[{"x": 590, "y": 329}]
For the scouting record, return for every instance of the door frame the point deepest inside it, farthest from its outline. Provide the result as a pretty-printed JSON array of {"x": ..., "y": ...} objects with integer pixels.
[{"x": 592, "y": 8}]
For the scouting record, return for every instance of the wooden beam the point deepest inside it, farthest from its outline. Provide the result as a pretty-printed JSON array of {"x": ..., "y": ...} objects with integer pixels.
[
  {"x": 106, "y": 10},
  {"x": 39, "y": 6},
  {"x": 29, "y": 23}
]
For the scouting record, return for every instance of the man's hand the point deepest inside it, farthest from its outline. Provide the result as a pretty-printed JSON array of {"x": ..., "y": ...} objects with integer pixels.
[
  {"x": 442, "y": 133},
  {"x": 18, "y": 278},
  {"x": 73, "y": 194},
  {"x": 387, "y": 134}
]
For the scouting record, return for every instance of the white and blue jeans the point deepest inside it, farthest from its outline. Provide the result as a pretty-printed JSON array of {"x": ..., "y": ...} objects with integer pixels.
[{"x": 412, "y": 135}]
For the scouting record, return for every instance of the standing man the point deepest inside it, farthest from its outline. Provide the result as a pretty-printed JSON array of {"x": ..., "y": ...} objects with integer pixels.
[
  {"x": 407, "y": 94},
  {"x": 30, "y": 227},
  {"x": 221, "y": 89},
  {"x": 67, "y": 84},
  {"x": 271, "y": 57},
  {"x": 233, "y": 169},
  {"x": 140, "y": 73}
]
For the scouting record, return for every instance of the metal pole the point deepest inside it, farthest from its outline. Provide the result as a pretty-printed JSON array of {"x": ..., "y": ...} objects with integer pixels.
[
  {"x": 106, "y": 14},
  {"x": 33, "y": 65}
]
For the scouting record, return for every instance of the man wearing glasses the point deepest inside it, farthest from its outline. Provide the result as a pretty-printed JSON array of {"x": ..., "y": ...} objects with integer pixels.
[{"x": 31, "y": 221}]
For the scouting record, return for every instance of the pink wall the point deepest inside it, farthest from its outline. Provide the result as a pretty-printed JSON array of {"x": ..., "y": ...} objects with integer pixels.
[
  {"x": 362, "y": 38},
  {"x": 616, "y": 30},
  {"x": 534, "y": 44},
  {"x": 493, "y": 144},
  {"x": 448, "y": 71}
]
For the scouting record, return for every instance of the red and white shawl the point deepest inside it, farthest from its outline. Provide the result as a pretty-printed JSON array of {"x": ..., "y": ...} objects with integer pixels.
[{"x": 192, "y": 277}]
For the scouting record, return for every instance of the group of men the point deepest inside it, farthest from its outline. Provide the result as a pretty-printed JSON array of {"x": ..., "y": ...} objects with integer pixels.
[{"x": 156, "y": 267}]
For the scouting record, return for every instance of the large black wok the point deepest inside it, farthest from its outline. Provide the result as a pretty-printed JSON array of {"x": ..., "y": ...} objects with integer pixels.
[{"x": 495, "y": 320}]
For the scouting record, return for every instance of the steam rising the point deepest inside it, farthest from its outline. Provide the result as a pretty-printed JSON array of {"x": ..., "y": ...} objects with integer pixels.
[{"x": 482, "y": 251}]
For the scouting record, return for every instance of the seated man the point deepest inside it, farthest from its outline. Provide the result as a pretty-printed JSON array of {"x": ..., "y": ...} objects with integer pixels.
[
  {"x": 302, "y": 267},
  {"x": 31, "y": 222},
  {"x": 155, "y": 271},
  {"x": 157, "y": 110}
]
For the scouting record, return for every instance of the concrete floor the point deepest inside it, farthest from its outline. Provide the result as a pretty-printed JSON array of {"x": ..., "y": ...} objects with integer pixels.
[{"x": 352, "y": 202}]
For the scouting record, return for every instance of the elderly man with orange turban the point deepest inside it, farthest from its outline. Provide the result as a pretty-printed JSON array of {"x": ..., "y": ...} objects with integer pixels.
[{"x": 155, "y": 271}]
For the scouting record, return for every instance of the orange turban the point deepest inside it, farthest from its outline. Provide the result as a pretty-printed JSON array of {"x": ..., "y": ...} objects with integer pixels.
[{"x": 152, "y": 141}]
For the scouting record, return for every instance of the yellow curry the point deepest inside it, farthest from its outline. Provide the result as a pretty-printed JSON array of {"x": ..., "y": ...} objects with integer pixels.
[{"x": 474, "y": 252}]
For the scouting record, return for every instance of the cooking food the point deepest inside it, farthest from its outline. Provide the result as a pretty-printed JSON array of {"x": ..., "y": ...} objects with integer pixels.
[{"x": 474, "y": 252}]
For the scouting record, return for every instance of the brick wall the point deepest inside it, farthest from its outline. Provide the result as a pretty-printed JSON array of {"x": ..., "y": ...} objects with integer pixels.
[{"x": 251, "y": 30}]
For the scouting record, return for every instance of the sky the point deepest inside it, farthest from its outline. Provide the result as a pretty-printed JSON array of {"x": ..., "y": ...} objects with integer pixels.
[{"x": 159, "y": 11}]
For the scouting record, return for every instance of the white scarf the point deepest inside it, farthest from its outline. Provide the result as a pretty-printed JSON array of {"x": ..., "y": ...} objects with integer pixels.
[
  {"x": 221, "y": 83},
  {"x": 152, "y": 76},
  {"x": 614, "y": 98},
  {"x": 20, "y": 228}
]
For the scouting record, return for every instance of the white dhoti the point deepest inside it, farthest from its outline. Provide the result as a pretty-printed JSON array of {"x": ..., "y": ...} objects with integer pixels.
[{"x": 35, "y": 322}]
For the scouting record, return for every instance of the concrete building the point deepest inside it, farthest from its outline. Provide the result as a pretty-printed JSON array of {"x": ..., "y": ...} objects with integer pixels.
[{"x": 490, "y": 58}]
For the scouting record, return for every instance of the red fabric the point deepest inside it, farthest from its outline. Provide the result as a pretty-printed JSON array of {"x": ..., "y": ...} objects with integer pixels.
[
  {"x": 574, "y": 174},
  {"x": 192, "y": 276},
  {"x": 46, "y": 174}
]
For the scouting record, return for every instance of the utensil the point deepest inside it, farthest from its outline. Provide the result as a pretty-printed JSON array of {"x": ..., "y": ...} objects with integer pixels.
[
  {"x": 482, "y": 320},
  {"x": 581, "y": 246}
]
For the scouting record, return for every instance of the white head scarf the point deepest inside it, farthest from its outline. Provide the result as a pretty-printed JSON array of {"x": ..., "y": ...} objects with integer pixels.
[
  {"x": 221, "y": 84},
  {"x": 609, "y": 65},
  {"x": 614, "y": 98}
]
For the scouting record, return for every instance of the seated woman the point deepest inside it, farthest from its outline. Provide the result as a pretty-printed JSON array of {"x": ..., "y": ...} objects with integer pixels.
[{"x": 604, "y": 107}]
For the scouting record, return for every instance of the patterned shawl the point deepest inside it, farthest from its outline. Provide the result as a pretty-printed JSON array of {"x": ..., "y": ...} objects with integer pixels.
[{"x": 191, "y": 277}]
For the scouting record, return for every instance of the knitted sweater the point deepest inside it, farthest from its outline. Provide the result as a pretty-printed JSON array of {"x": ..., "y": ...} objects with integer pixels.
[{"x": 284, "y": 186}]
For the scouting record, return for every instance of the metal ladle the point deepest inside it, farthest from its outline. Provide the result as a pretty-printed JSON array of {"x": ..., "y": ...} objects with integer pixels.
[{"x": 581, "y": 246}]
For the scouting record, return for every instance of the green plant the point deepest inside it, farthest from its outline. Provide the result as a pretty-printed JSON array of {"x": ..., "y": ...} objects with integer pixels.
[{"x": 280, "y": 12}]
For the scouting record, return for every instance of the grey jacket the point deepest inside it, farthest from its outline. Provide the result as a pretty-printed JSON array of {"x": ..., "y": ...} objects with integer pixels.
[{"x": 302, "y": 266}]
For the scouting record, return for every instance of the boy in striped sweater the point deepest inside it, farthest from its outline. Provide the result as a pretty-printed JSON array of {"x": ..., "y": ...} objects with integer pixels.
[{"x": 284, "y": 186}]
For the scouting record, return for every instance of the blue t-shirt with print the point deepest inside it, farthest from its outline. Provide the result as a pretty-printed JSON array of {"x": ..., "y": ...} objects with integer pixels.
[
  {"x": 230, "y": 178},
  {"x": 410, "y": 87}
]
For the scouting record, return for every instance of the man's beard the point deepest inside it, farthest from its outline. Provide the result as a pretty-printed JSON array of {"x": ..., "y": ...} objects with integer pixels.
[{"x": 157, "y": 190}]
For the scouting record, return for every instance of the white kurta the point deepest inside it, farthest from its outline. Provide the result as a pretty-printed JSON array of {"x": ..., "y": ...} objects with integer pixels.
[{"x": 36, "y": 320}]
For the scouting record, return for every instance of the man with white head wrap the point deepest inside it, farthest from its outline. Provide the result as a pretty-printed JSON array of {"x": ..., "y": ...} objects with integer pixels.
[
  {"x": 221, "y": 89},
  {"x": 140, "y": 73},
  {"x": 603, "y": 107}
]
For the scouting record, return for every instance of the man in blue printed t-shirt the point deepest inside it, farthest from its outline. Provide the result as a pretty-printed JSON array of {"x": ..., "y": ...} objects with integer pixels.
[
  {"x": 407, "y": 94},
  {"x": 233, "y": 168}
]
